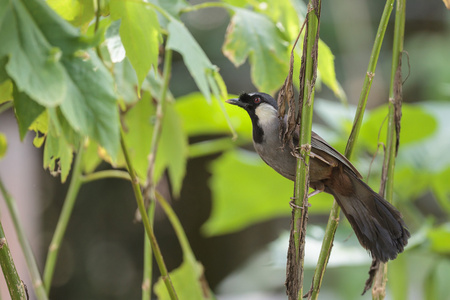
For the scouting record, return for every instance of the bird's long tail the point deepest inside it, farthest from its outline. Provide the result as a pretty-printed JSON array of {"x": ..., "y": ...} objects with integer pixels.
[{"x": 377, "y": 223}]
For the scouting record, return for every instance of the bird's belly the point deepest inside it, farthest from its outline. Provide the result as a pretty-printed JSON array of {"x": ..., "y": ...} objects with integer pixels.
[{"x": 279, "y": 159}]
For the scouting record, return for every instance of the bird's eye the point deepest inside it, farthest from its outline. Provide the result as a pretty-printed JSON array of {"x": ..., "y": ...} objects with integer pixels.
[{"x": 257, "y": 100}]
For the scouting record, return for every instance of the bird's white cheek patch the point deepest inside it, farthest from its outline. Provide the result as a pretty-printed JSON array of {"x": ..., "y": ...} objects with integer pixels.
[{"x": 266, "y": 113}]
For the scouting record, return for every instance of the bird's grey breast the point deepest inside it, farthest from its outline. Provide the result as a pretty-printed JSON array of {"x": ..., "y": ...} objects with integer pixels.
[{"x": 271, "y": 150}]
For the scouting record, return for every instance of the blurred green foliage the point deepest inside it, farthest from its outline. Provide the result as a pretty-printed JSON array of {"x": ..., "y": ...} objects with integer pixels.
[{"x": 73, "y": 85}]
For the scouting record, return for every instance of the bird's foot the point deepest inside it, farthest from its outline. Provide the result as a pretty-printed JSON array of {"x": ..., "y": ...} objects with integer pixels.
[{"x": 295, "y": 206}]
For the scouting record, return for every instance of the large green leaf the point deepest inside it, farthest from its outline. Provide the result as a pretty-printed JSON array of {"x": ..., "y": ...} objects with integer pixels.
[
  {"x": 200, "y": 118},
  {"x": 90, "y": 102},
  {"x": 172, "y": 148},
  {"x": 26, "y": 111},
  {"x": 440, "y": 239},
  {"x": 198, "y": 64},
  {"x": 254, "y": 35},
  {"x": 46, "y": 63},
  {"x": 187, "y": 282},
  {"x": 33, "y": 62},
  {"x": 59, "y": 145},
  {"x": 246, "y": 191},
  {"x": 77, "y": 12},
  {"x": 327, "y": 73},
  {"x": 140, "y": 34}
]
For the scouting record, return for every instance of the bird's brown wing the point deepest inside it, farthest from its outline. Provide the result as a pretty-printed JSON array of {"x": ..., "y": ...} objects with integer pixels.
[{"x": 319, "y": 143}]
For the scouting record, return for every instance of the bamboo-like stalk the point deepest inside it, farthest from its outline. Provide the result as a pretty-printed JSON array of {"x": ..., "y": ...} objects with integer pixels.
[
  {"x": 24, "y": 244},
  {"x": 333, "y": 220},
  {"x": 63, "y": 221},
  {"x": 299, "y": 218},
  {"x": 379, "y": 286},
  {"x": 149, "y": 190},
  {"x": 15, "y": 285},
  {"x": 148, "y": 227}
]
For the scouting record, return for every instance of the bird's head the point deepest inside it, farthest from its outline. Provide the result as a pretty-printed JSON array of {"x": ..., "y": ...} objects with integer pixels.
[
  {"x": 260, "y": 106},
  {"x": 262, "y": 109}
]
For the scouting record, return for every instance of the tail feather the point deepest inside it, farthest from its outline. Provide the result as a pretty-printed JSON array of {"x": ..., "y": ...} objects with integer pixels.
[{"x": 377, "y": 223}]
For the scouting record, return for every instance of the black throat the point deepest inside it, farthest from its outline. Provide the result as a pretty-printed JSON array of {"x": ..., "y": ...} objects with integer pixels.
[{"x": 258, "y": 133}]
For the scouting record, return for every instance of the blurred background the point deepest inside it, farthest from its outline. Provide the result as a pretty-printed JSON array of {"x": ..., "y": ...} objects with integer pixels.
[{"x": 101, "y": 256}]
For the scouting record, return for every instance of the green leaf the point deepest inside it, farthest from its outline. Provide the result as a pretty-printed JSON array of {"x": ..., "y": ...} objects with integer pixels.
[
  {"x": 173, "y": 149},
  {"x": 187, "y": 281},
  {"x": 200, "y": 118},
  {"x": 126, "y": 81},
  {"x": 3, "y": 145},
  {"x": 327, "y": 73},
  {"x": 40, "y": 127},
  {"x": 173, "y": 7},
  {"x": 58, "y": 152},
  {"x": 285, "y": 15},
  {"x": 33, "y": 62},
  {"x": 140, "y": 34},
  {"x": 91, "y": 158},
  {"x": 138, "y": 123},
  {"x": 90, "y": 103},
  {"x": 246, "y": 191},
  {"x": 198, "y": 64},
  {"x": 6, "y": 90},
  {"x": 77, "y": 12},
  {"x": 253, "y": 35},
  {"x": 440, "y": 239},
  {"x": 441, "y": 188},
  {"x": 26, "y": 111},
  {"x": 411, "y": 130}
]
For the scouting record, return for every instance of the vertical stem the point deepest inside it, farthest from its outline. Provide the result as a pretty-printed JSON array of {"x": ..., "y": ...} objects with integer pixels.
[
  {"x": 61, "y": 226},
  {"x": 333, "y": 219},
  {"x": 379, "y": 287},
  {"x": 368, "y": 79},
  {"x": 299, "y": 219},
  {"x": 13, "y": 281},
  {"x": 148, "y": 255},
  {"x": 148, "y": 227},
  {"x": 149, "y": 190},
  {"x": 25, "y": 245}
]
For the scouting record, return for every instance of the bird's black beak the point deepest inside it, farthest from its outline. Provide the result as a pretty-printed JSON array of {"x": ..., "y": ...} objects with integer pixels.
[{"x": 236, "y": 101}]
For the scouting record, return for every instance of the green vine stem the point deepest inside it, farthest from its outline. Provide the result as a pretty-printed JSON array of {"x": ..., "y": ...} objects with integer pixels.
[
  {"x": 24, "y": 244},
  {"x": 148, "y": 262},
  {"x": 379, "y": 286},
  {"x": 105, "y": 174},
  {"x": 333, "y": 219},
  {"x": 63, "y": 221},
  {"x": 148, "y": 227},
  {"x": 15, "y": 285},
  {"x": 178, "y": 228},
  {"x": 149, "y": 189}
]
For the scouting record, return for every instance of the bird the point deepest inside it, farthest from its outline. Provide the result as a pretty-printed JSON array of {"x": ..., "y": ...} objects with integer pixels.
[{"x": 378, "y": 225}]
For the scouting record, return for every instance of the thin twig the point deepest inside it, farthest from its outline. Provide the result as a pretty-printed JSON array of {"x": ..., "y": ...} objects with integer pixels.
[
  {"x": 63, "y": 221},
  {"x": 105, "y": 174},
  {"x": 149, "y": 189},
  {"x": 24, "y": 244},
  {"x": 148, "y": 227},
  {"x": 333, "y": 219},
  {"x": 15, "y": 285},
  {"x": 393, "y": 131}
]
